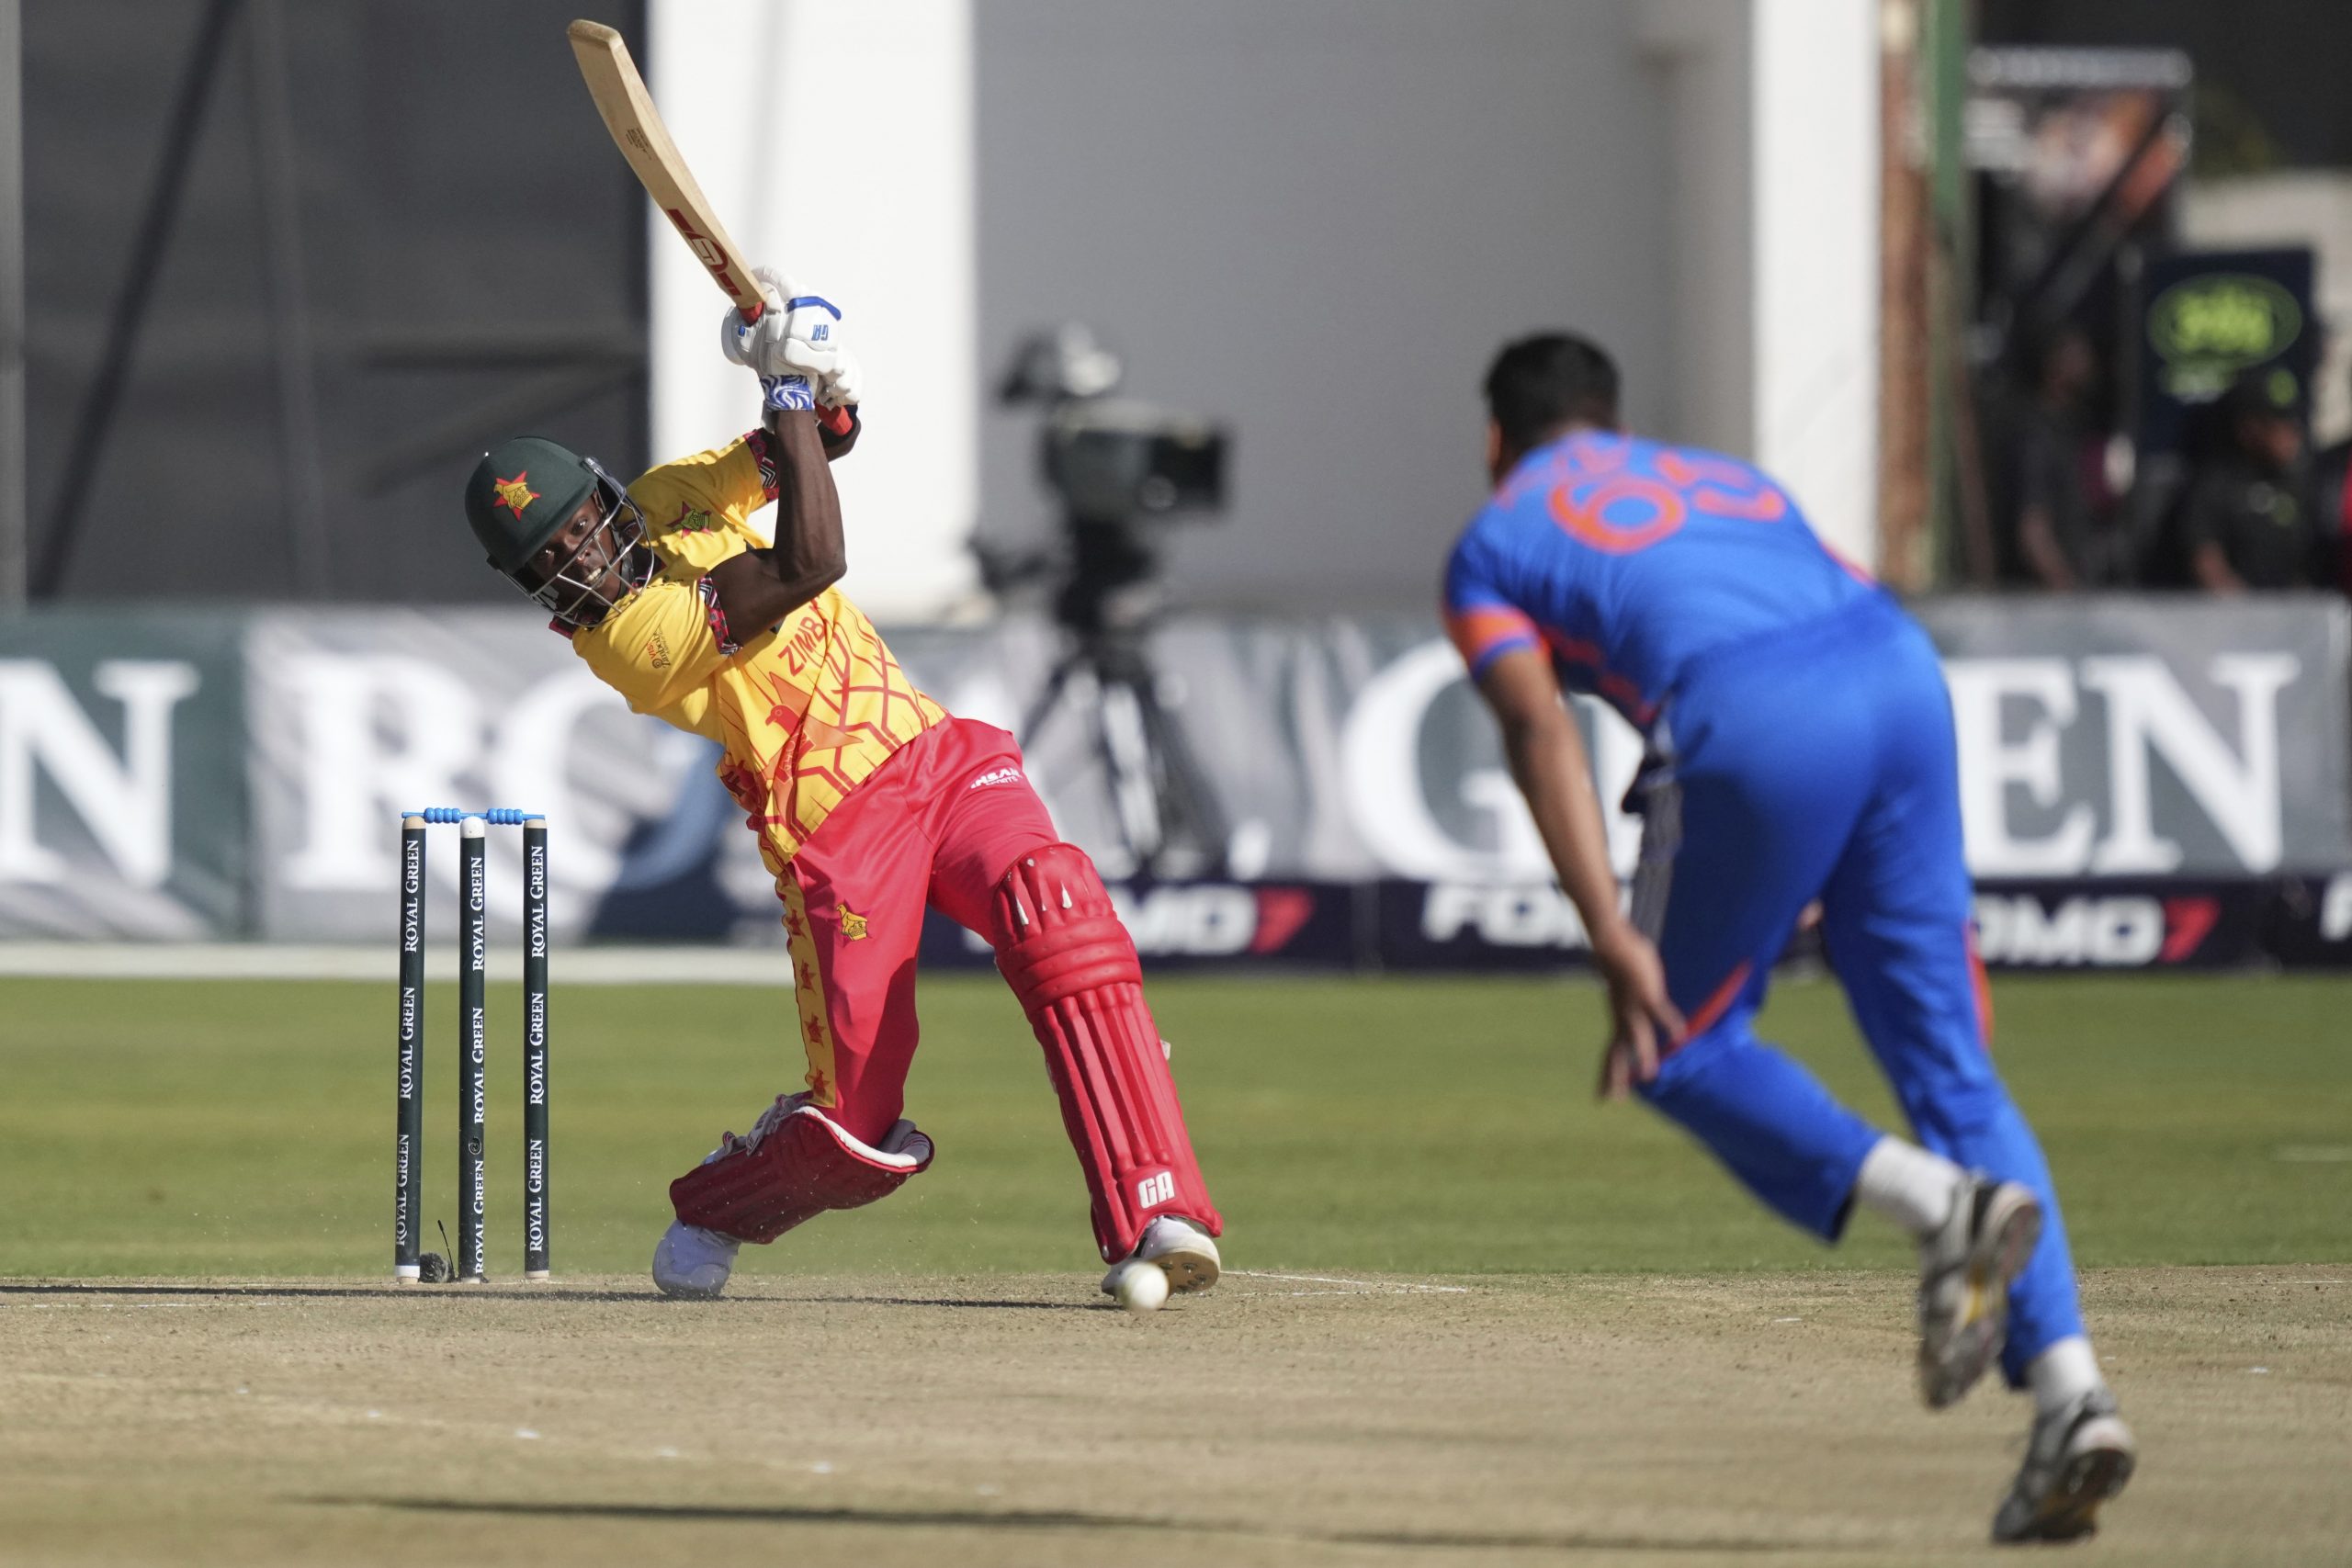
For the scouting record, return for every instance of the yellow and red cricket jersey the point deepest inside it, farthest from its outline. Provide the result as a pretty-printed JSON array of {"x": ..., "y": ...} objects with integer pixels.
[{"x": 805, "y": 709}]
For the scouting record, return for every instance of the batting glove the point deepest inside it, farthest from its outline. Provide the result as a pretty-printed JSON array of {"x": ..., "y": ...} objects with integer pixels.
[{"x": 795, "y": 347}]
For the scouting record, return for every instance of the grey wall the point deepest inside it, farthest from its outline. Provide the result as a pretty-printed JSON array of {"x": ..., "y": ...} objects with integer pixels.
[
  {"x": 1316, "y": 219},
  {"x": 473, "y": 256}
]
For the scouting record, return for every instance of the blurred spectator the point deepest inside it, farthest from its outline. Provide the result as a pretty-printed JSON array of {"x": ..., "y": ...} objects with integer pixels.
[
  {"x": 2333, "y": 484},
  {"x": 2249, "y": 518},
  {"x": 2057, "y": 513}
]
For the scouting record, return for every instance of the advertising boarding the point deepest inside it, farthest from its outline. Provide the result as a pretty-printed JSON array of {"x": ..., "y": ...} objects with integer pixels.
[{"x": 2144, "y": 782}]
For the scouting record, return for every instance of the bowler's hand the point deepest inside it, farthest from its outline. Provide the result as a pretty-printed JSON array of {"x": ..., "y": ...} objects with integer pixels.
[{"x": 1642, "y": 1017}]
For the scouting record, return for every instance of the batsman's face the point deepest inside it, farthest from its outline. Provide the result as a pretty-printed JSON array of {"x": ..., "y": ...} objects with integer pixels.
[
  {"x": 582, "y": 549},
  {"x": 596, "y": 559}
]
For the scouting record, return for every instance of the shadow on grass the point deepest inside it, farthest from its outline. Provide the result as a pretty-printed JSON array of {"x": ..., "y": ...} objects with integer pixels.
[
  {"x": 1106, "y": 1304},
  {"x": 262, "y": 1290},
  {"x": 1016, "y": 1519}
]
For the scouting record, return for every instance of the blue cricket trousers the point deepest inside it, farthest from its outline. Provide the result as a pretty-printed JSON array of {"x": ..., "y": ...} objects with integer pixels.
[{"x": 1819, "y": 762}]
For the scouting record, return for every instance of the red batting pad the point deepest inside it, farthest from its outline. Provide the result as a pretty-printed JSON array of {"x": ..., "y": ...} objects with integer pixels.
[
  {"x": 1064, "y": 952},
  {"x": 795, "y": 1164}
]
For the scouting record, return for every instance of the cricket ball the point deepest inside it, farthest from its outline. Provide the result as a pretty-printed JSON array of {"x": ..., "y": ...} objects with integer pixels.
[{"x": 1141, "y": 1287}]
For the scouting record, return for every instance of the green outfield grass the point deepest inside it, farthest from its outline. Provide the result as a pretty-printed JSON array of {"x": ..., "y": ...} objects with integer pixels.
[{"x": 243, "y": 1128}]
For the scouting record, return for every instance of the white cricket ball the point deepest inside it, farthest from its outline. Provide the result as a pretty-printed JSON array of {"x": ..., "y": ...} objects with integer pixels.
[{"x": 1141, "y": 1287}]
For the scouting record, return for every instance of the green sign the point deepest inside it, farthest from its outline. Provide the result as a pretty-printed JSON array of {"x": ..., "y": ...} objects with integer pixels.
[{"x": 2222, "y": 322}]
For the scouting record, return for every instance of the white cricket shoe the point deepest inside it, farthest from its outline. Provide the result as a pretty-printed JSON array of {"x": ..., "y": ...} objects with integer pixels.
[
  {"x": 1964, "y": 1273},
  {"x": 693, "y": 1263},
  {"x": 2078, "y": 1456},
  {"x": 1181, "y": 1250}
]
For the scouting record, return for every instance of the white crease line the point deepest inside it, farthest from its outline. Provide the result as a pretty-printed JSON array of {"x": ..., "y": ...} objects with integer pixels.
[{"x": 1358, "y": 1286}]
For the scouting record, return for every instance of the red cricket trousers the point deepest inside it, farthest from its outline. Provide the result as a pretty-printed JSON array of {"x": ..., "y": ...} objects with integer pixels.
[{"x": 936, "y": 826}]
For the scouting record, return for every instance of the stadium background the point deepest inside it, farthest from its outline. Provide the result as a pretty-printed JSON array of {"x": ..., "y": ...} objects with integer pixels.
[
  {"x": 1469, "y": 1313},
  {"x": 347, "y": 299}
]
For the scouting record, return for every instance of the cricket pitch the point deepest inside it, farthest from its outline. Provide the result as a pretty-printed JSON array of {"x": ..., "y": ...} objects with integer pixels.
[{"x": 985, "y": 1419}]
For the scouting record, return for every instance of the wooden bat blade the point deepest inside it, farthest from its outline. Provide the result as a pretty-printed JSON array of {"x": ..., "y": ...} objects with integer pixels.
[{"x": 636, "y": 129}]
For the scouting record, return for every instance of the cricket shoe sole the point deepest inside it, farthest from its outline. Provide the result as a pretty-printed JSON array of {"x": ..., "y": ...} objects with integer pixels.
[
  {"x": 1965, "y": 1271},
  {"x": 1181, "y": 1249},
  {"x": 2077, "y": 1460}
]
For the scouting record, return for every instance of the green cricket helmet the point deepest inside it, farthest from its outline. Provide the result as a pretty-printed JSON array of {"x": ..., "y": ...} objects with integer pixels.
[{"x": 522, "y": 494}]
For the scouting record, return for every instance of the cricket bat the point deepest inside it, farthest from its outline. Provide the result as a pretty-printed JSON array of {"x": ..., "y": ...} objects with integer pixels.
[{"x": 637, "y": 129}]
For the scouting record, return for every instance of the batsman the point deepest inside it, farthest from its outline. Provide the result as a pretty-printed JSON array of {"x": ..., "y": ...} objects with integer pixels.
[{"x": 870, "y": 802}]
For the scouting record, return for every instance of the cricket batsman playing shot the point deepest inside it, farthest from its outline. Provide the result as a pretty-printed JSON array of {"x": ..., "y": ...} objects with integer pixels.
[
  {"x": 1800, "y": 750},
  {"x": 870, "y": 802}
]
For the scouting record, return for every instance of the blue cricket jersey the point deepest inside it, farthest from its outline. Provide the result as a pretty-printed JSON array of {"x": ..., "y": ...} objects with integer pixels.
[{"x": 1627, "y": 559}]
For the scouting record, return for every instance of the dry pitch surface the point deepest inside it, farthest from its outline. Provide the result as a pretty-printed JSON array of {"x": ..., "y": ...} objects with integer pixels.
[{"x": 1015, "y": 1420}]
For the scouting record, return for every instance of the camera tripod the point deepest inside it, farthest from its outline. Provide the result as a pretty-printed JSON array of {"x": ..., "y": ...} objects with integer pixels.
[{"x": 1167, "y": 812}]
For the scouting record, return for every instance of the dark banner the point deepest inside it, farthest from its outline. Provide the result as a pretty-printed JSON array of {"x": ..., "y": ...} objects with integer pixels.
[
  {"x": 2032, "y": 927},
  {"x": 2021, "y": 927},
  {"x": 1313, "y": 925},
  {"x": 2049, "y": 925},
  {"x": 2209, "y": 318}
]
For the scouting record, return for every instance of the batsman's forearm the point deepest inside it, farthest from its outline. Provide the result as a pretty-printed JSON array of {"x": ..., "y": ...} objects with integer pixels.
[
  {"x": 758, "y": 588},
  {"x": 808, "y": 543},
  {"x": 1549, "y": 761}
]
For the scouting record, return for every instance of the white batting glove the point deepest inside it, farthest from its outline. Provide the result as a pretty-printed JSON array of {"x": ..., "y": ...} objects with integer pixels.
[
  {"x": 838, "y": 388},
  {"x": 795, "y": 347}
]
